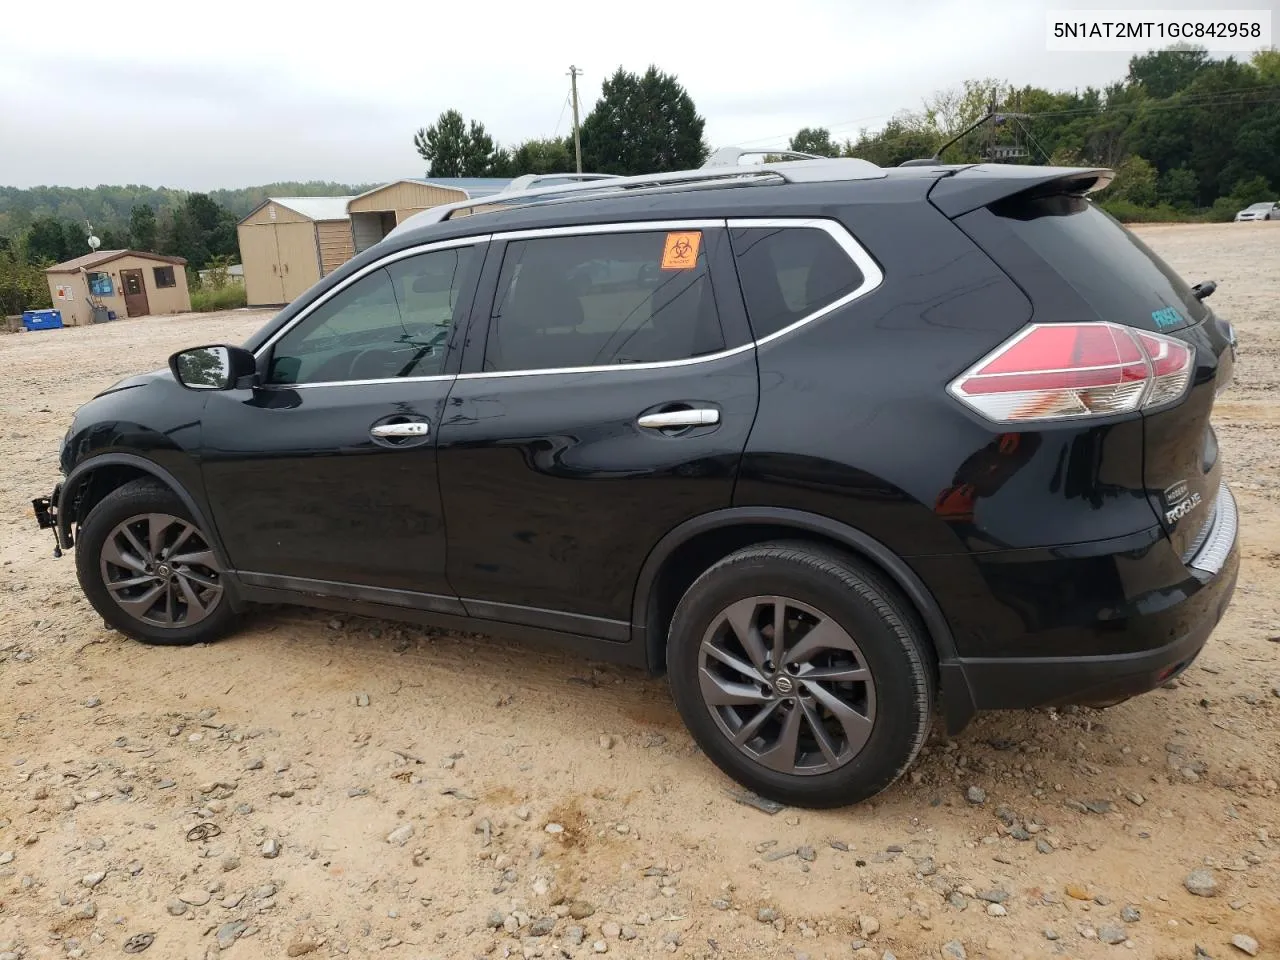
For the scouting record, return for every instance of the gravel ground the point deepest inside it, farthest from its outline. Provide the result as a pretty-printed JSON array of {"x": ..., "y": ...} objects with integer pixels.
[{"x": 379, "y": 787}]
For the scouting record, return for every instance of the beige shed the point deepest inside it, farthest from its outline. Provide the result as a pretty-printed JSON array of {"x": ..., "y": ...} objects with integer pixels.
[
  {"x": 128, "y": 283},
  {"x": 376, "y": 213},
  {"x": 289, "y": 243}
]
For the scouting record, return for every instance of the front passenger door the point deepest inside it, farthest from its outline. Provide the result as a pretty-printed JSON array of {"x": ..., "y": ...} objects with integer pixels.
[{"x": 323, "y": 479}]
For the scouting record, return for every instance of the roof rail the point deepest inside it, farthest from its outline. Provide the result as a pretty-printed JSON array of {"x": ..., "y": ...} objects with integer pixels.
[
  {"x": 729, "y": 156},
  {"x": 802, "y": 171},
  {"x": 530, "y": 180}
]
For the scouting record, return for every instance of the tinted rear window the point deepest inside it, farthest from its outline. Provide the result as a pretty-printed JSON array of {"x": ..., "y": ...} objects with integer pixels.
[
  {"x": 788, "y": 273},
  {"x": 1113, "y": 271}
]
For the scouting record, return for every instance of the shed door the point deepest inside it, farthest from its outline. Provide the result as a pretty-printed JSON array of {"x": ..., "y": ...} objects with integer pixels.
[
  {"x": 263, "y": 280},
  {"x": 135, "y": 293},
  {"x": 299, "y": 257}
]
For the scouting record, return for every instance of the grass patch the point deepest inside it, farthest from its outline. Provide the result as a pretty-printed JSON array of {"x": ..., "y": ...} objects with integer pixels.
[{"x": 226, "y": 298}]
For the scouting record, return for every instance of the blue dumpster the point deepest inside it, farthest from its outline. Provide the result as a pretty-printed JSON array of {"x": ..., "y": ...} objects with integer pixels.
[{"x": 42, "y": 319}]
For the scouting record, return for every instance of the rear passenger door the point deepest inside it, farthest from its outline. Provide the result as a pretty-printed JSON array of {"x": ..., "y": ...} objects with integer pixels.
[{"x": 608, "y": 388}]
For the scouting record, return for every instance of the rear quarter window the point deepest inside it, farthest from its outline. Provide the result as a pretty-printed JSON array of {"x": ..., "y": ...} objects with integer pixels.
[{"x": 789, "y": 273}]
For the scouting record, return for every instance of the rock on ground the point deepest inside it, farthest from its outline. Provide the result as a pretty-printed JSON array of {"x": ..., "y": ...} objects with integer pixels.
[
  {"x": 1245, "y": 943},
  {"x": 1201, "y": 883}
]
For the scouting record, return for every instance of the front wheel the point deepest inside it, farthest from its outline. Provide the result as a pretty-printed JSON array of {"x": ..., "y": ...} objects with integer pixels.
[
  {"x": 801, "y": 674},
  {"x": 149, "y": 570}
]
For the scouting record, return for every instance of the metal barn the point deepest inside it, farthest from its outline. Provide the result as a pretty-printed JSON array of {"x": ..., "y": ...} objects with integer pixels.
[{"x": 289, "y": 243}]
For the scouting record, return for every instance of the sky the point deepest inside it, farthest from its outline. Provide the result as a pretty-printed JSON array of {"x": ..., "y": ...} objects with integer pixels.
[{"x": 240, "y": 93}]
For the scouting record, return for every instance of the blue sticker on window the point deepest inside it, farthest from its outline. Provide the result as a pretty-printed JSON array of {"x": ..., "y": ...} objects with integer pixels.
[{"x": 1166, "y": 318}]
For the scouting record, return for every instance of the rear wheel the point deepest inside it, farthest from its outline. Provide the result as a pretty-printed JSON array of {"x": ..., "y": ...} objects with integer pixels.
[
  {"x": 801, "y": 674},
  {"x": 149, "y": 570}
]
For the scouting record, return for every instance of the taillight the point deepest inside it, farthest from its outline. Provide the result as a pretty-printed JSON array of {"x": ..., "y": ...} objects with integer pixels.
[{"x": 1061, "y": 370}]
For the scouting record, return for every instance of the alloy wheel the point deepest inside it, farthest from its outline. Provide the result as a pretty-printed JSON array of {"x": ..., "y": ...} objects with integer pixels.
[
  {"x": 160, "y": 570},
  {"x": 787, "y": 685}
]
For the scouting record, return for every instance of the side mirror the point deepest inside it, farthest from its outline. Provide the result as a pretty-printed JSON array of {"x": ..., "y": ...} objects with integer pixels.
[{"x": 213, "y": 367}]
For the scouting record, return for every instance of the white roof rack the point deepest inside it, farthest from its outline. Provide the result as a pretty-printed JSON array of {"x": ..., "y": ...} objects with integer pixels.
[
  {"x": 814, "y": 170},
  {"x": 729, "y": 156},
  {"x": 530, "y": 180}
]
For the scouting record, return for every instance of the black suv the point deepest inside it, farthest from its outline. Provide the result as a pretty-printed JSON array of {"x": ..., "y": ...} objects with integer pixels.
[{"x": 834, "y": 446}]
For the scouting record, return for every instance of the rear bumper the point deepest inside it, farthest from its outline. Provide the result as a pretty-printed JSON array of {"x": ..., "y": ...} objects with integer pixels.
[
  {"x": 1009, "y": 684},
  {"x": 1183, "y": 613}
]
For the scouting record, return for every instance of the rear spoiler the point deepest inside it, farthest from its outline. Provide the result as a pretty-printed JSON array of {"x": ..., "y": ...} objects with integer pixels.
[{"x": 983, "y": 184}]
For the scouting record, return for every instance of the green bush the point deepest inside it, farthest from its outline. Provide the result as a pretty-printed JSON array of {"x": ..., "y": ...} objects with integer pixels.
[
  {"x": 1224, "y": 209},
  {"x": 1245, "y": 192},
  {"x": 1178, "y": 187},
  {"x": 1134, "y": 183},
  {"x": 1128, "y": 212},
  {"x": 1253, "y": 190},
  {"x": 225, "y": 298},
  {"x": 22, "y": 284}
]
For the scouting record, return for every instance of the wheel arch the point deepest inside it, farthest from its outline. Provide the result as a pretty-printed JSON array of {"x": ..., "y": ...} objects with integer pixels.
[
  {"x": 680, "y": 556},
  {"x": 118, "y": 469}
]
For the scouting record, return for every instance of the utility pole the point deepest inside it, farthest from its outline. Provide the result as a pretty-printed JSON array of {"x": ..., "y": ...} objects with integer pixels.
[{"x": 574, "y": 73}]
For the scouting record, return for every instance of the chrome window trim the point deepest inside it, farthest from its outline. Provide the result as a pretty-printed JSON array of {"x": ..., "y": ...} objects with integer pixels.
[
  {"x": 588, "y": 229},
  {"x": 872, "y": 277},
  {"x": 615, "y": 367},
  {"x": 358, "y": 383},
  {"x": 360, "y": 274}
]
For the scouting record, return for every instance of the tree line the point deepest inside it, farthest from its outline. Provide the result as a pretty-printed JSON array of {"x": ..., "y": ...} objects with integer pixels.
[
  {"x": 199, "y": 230},
  {"x": 110, "y": 207},
  {"x": 642, "y": 123},
  {"x": 1188, "y": 136},
  {"x": 46, "y": 225}
]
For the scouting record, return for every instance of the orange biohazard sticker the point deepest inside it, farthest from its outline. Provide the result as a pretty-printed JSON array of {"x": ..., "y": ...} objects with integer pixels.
[{"x": 681, "y": 250}]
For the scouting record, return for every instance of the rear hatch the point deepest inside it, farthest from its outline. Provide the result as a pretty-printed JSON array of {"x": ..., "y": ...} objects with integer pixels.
[{"x": 1077, "y": 263}]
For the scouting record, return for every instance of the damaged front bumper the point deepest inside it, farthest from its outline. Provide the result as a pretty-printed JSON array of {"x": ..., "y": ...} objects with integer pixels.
[{"x": 46, "y": 510}]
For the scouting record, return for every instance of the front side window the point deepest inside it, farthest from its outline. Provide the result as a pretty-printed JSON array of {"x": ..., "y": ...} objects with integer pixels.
[
  {"x": 788, "y": 273},
  {"x": 603, "y": 299},
  {"x": 393, "y": 322},
  {"x": 164, "y": 277}
]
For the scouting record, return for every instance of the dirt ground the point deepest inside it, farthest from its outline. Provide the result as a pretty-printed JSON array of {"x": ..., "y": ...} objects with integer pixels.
[{"x": 387, "y": 788}]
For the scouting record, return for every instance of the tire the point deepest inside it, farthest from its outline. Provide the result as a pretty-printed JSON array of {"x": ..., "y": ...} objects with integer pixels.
[
  {"x": 113, "y": 547},
  {"x": 887, "y": 715}
]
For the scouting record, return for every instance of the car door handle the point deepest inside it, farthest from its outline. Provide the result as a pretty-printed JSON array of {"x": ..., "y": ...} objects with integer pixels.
[
  {"x": 387, "y": 430},
  {"x": 696, "y": 417}
]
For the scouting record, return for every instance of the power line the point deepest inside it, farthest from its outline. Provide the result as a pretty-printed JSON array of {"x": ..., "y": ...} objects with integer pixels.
[{"x": 563, "y": 107}]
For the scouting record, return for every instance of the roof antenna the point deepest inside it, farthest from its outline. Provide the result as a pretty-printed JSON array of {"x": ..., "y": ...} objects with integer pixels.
[{"x": 937, "y": 155}]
